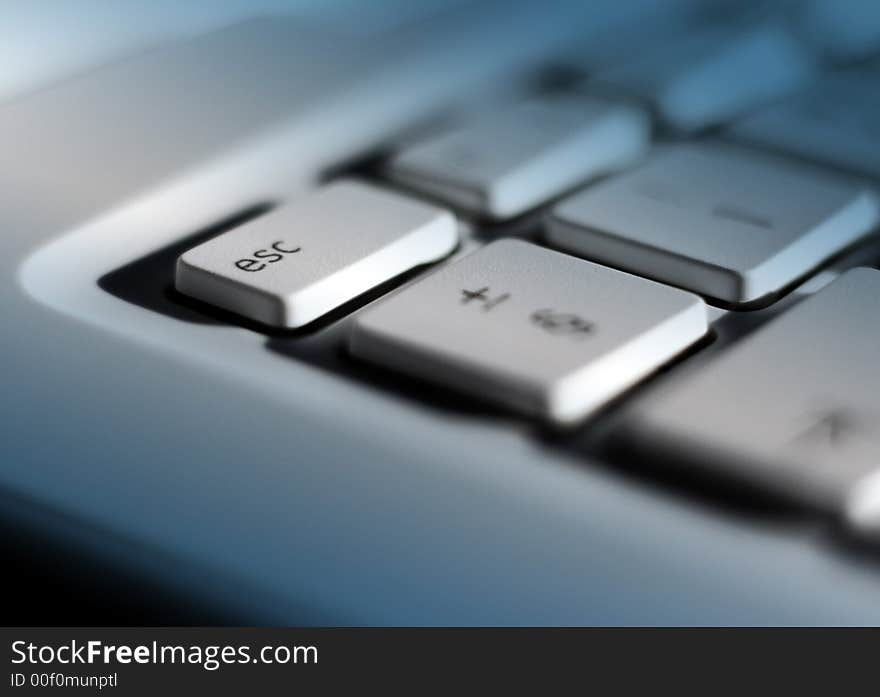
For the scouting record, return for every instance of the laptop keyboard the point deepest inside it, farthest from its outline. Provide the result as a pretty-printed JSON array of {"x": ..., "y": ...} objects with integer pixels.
[{"x": 550, "y": 255}]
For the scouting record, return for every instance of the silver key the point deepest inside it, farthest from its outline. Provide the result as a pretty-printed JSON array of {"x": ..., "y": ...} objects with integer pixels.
[
  {"x": 721, "y": 220},
  {"x": 309, "y": 257},
  {"x": 794, "y": 406},
  {"x": 514, "y": 159},
  {"x": 530, "y": 328},
  {"x": 836, "y": 121},
  {"x": 711, "y": 77}
]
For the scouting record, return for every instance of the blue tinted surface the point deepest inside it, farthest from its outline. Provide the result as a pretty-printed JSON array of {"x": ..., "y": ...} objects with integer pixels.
[{"x": 322, "y": 505}]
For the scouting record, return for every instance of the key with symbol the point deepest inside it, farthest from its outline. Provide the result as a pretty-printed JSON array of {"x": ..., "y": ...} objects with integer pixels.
[
  {"x": 718, "y": 219},
  {"x": 793, "y": 407},
  {"x": 535, "y": 330},
  {"x": 316, "y": 253}
]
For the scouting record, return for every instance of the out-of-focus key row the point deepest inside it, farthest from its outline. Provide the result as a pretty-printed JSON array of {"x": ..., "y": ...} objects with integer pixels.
[{"x": 728, "y": 221}]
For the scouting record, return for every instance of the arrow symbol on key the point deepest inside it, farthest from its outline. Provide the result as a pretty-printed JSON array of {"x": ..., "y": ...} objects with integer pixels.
[{"x": 833, "y": 426}]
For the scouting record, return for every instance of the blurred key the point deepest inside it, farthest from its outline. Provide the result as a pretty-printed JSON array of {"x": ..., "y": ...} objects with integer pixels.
[
  {"x": 712, "y": 77},
  {"x": 512, "y": 160},
  {"x": 538, "y": 331},
  {"x": 718, "y": 219},
  {"x": 843, "y": 29},
  {"x": 836, "y": 121},
  {"x": 794, "y": 406},
  {"x": 307, "y": 258}
]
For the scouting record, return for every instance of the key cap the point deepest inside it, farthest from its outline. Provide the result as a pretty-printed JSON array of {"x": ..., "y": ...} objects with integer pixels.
[
  {"x": 794, "y": 406},
  {"x": 509, "y": 161},
  {"x": 836, "y": 121},
  {"x": 532, "y": 329},
  {"x": 714, "y": 76},
  {"x": 725, "y": 221},
  {"x": 316, "y": 253},
  {"x": 844, "y": 30}
]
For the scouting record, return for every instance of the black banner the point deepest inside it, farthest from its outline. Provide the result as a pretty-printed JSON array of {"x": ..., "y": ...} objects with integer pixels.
[{"x": 187, "y": 661}]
